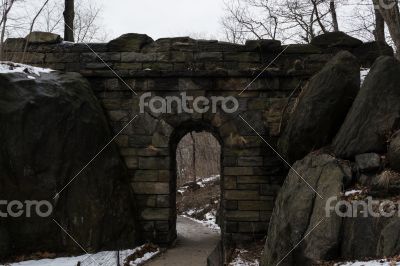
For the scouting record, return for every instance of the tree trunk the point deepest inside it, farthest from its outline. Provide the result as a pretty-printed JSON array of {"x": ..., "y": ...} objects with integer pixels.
[
  {"x": 391, "y": 15},
  {"x": 69, "y": 16},
  {"x": 194, "y": 157},
  {"x": 379, "y": 32},
  {"x": 334, "y": 15}
]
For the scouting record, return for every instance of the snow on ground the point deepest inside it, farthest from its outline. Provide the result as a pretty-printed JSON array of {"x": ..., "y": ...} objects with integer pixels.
[
  {"x": 210, "y": 221},
  {"x": 203, "y": 182},
  {"x": 369, "y": 263},
  {"x": 363, "y": 74},
  {"x": 105, "y": 258},
  {"x": 241, "y": 261},
  {"x": 352, "y": 192},
  {"x": 30, "y": 71}
]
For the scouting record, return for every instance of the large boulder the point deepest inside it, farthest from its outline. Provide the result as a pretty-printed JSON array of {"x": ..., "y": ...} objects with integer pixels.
[
  {"x": 336, "y": 39},
  {"x": 52, "y": 126},
  {"x": 314, "y": 221},
  {"x": 322, "y": 107},
  {"x": 394, "y": 152},
  {"x": 374, "y": 114},
  {"x": 43, "y": 37},
  {"x": 130, "y": 42},
  {"x": 299, "y": 209}
]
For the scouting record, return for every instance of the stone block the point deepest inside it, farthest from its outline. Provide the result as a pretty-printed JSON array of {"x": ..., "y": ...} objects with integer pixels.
[
  {"x": 241, "y": 195},
  {"x": 163, "y": 175},
  {"x": 242, "y": 216},
  {"x": 91, "y": 57},
  {"x": 231, "y": 227},
  {"x": 242, "y": 57},
  {"x": 252, "y": 179},
  {"x": 140, "y": 141},
  {"x": 118, "y": 115},
  {"x": 255, "y": 205},
  {"x": 368, "y": 162},
  {"x": 156, "y": 163},
  {"x": 122, "y": 140},
  {"x": 62, "y": 57},
  {"x": 253, "y": 227},
  {"x": 129, "y": 42},
  {"x": 238, "y": 171},
  {"x": 250, "y": 161},
  {"x": 43, "y": 37},
  {"x": 231, "y": 204},
  {"x": 146, "y": 200},
  {"x": 230, "y": 182},
  {"x": 248, "y": 187},
  {"x": 155, "y": 214},
  {"x": 131, "y": 162},
  {"x": 162, "y": 226},
  {"x": 127, "y": 57},
  {"x": 163, "y": 201},
  {"x": 150, "y": 188},
  {"x": 145, "y": 175},
  {"x": 208, "y": 56}
]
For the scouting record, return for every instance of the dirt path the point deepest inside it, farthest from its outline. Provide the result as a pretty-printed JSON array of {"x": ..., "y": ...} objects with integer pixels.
[{"x": 195, "y": 243}]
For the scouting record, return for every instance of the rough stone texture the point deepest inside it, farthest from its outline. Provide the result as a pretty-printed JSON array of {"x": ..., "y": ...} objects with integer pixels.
[
  {"x": 370, "y": 237},
  {"x": 394, "y": 152},
  {"x": 168, "y": 67},
  {"x": 368, "y": 162},
  {"x": 322, "y": 107},
  {"x": 298, "y": 209},
  {"x": 39, "y": 37},
  {"x": 375, "y": 112},
  {"x": 336, "y": 39},
  {"x": 52, "y": 126},
  {"x": 129, "y": 42}
]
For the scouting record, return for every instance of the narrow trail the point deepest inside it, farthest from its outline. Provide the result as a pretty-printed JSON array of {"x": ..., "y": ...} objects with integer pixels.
[{"x": 195, "y": 243}]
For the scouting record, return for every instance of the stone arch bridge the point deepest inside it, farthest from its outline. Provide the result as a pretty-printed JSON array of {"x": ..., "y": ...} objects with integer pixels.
[{"x": 133, "y": 64}]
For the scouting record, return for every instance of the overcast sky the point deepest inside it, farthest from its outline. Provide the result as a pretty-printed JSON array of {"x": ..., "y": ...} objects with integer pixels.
[{"x": 163, "y": 18}]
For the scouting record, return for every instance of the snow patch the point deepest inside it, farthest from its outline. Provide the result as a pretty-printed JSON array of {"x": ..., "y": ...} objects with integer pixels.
[
  {"x": 210, "y": 221},
  {"x": 10, "y": 67},
  {"x": 104, "y": 258},
  {"x": 352, "y": 192},
  {"x": 240, "y": 261},
  {"x": 369, "y": 263},
  {"x": 363, "y": 74}
]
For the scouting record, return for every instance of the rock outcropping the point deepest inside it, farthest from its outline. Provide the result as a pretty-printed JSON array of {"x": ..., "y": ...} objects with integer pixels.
[
  {"x": 322, "y": 107},
  {"x": 52, "y": 126},
  {"x": 375, "y": 113},
  {"x": 314, "y": 219}
]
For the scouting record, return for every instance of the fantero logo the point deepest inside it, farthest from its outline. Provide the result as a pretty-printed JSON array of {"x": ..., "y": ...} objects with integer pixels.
[
  {"x": 187, "y": 104},
  {"x": 28, "y": 208}
]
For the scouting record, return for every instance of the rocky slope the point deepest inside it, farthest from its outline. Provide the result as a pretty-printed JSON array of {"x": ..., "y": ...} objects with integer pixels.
[{"x": 314, "y": 219}]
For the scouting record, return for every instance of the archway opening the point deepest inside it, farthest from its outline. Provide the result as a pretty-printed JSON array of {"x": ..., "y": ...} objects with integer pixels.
[{"x": 198, "y": 178}]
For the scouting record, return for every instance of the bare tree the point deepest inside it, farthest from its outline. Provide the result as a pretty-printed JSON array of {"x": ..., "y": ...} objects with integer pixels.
[
  {"x": 6, "y": 6},
  {"x": 32, "y": 25},
  {"x": 69, "y": 16},
  {"x": 332, "y": 9},
  {"x": 390, "y": 13},
  {"x": 295, "y": 20}
]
